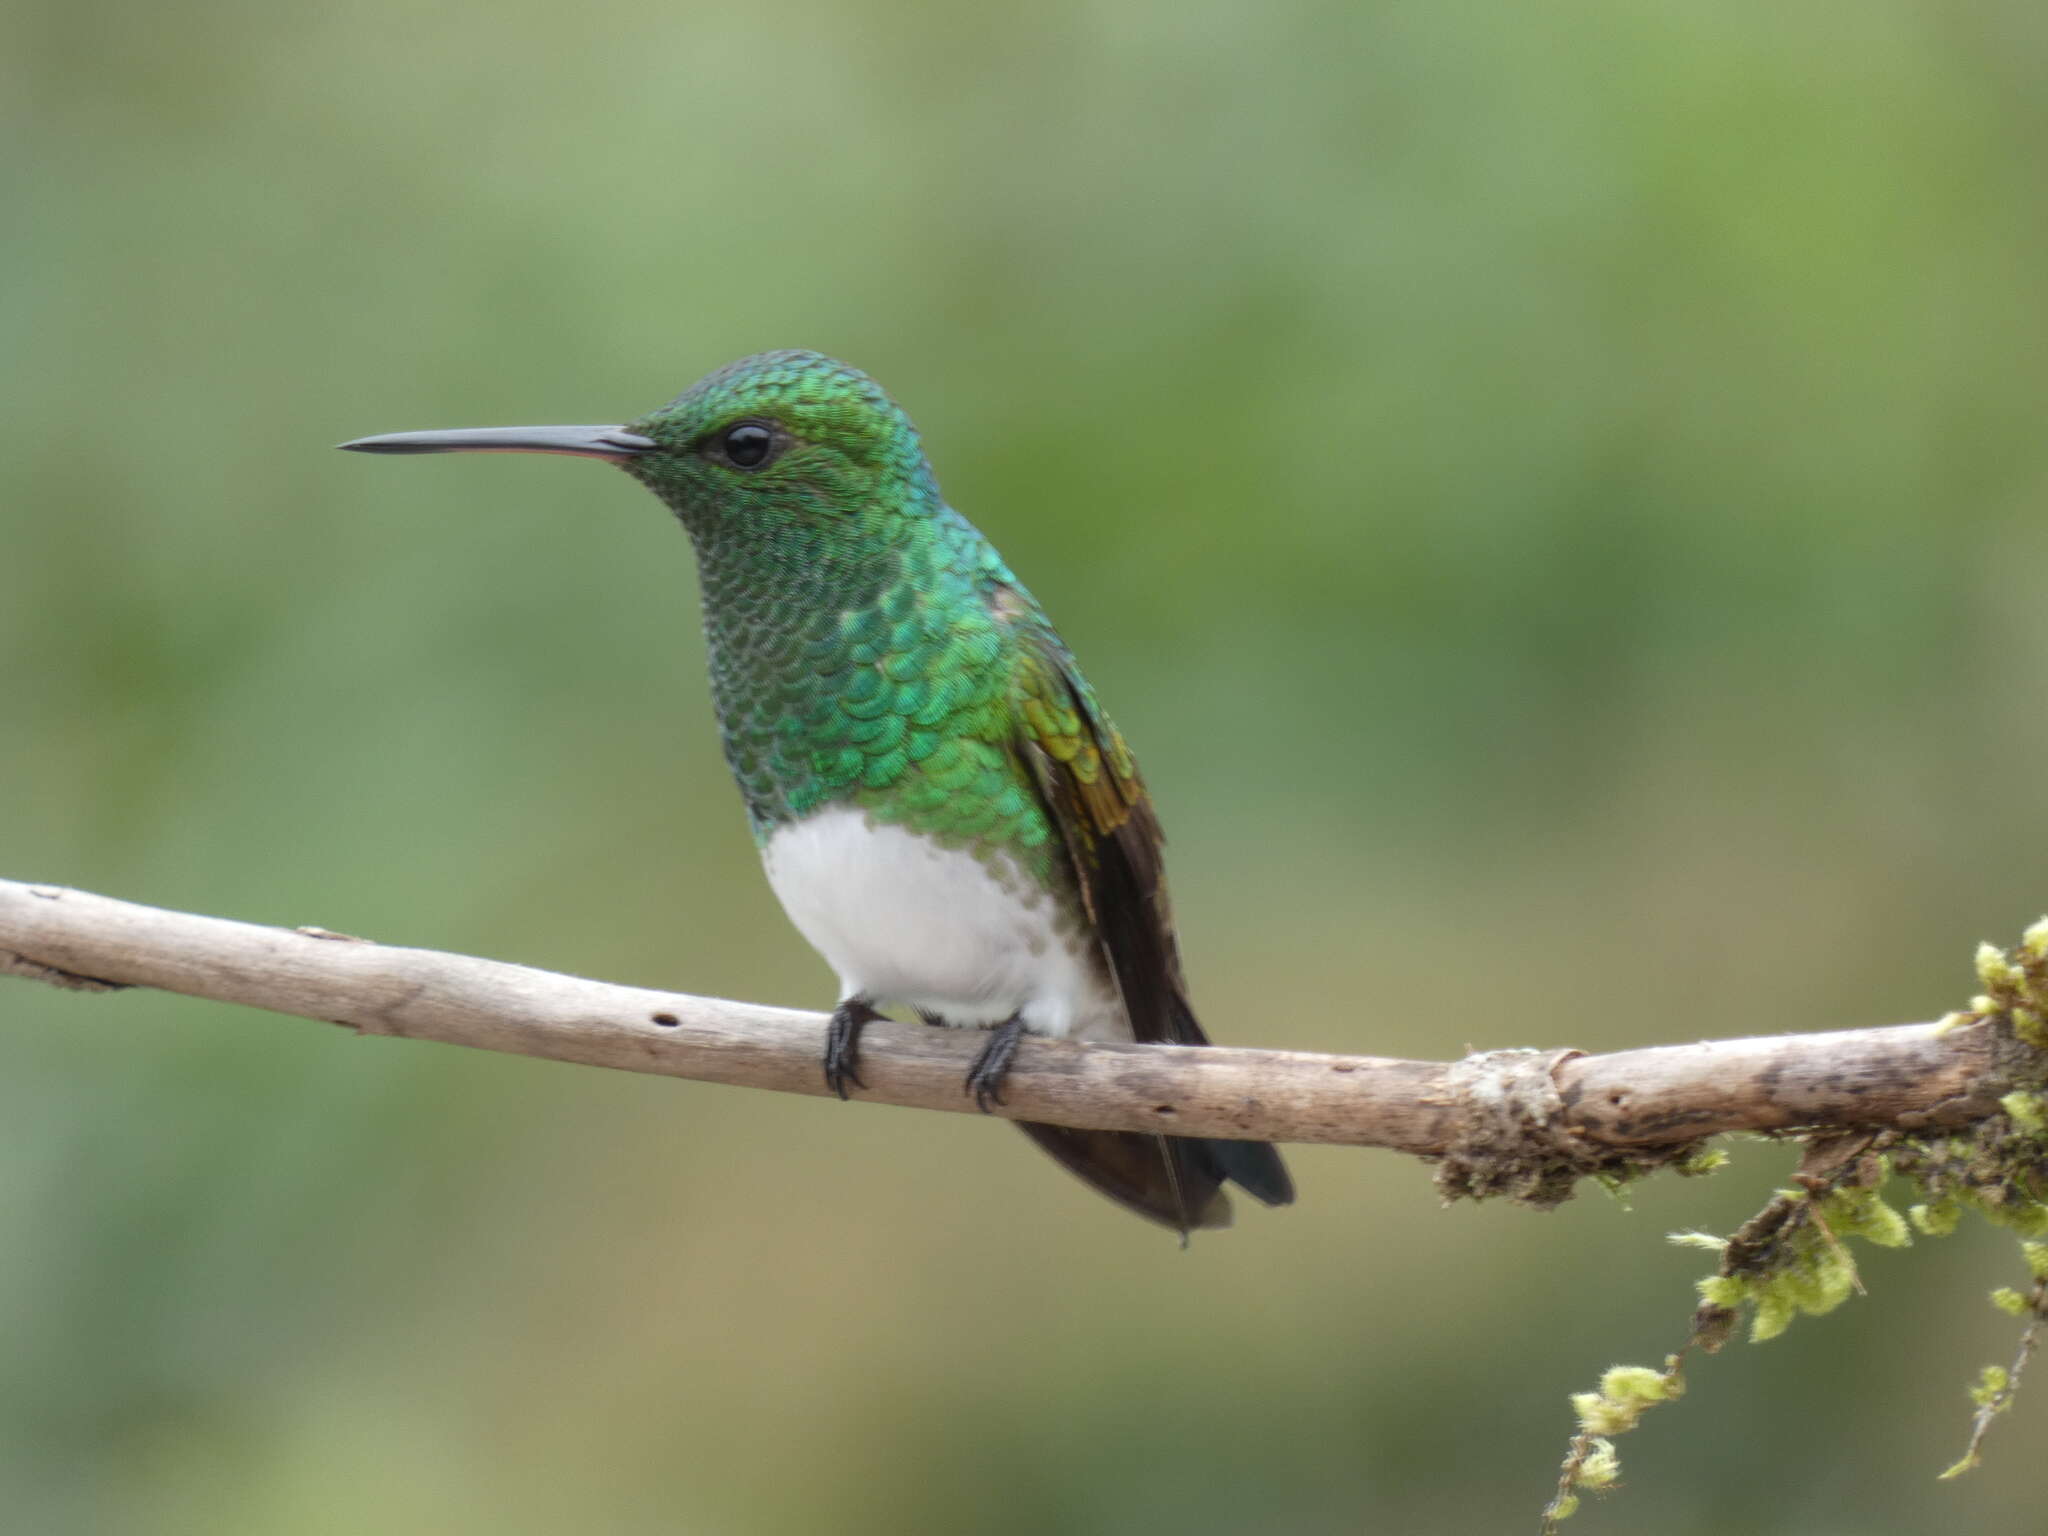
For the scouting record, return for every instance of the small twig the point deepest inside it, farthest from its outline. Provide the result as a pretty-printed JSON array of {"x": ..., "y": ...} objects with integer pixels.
[
  {"x": 1564, "y": 1501},
  {"x": 1998, "y": 1400}
]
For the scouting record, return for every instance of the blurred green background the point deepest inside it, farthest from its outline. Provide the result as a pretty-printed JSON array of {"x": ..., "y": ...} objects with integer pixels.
[{"x": 1554, "y": 494}]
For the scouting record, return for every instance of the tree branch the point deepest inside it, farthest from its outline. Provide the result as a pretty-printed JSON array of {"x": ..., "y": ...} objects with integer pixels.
[{"x": 1497, "y": 1116}]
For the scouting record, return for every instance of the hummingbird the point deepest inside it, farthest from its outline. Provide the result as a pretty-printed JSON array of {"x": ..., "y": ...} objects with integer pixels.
[{"x": 941, "y": 805}]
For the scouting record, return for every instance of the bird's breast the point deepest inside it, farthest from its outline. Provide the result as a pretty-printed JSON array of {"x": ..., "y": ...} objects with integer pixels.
[{"x": 965, "y": 934}]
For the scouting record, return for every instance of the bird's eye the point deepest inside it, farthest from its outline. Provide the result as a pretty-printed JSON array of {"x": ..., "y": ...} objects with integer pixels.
[{"x": 747, "y": 445}]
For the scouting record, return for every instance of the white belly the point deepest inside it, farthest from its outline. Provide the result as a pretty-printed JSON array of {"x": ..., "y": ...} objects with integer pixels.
[{"x": 906, "y": 921}]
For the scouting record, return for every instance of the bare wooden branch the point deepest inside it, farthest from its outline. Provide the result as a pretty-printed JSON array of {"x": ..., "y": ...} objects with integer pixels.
[{"x": 1563, "y": 1105}]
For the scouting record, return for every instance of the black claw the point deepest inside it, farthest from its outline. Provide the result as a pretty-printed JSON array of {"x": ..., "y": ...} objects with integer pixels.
[
  {"x": 842, "y": 1043},
  {"x": 985, "y": 1077}
]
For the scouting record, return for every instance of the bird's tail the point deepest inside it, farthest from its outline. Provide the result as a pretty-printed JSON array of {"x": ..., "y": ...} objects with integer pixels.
[{"x": 1176, "y": 1181}]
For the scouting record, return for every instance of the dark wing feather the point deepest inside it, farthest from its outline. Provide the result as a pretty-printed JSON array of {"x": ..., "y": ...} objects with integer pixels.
[
  {"x": 1096, "y": 800},
  {"x": 1098, "y": 803}
]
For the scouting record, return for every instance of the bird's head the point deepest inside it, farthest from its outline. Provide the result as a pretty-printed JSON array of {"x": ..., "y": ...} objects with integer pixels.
[{"x": 780, "y": 437}]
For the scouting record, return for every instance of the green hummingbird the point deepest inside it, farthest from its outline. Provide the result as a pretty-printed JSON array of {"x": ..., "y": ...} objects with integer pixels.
[{"x": 942, "y": 807}]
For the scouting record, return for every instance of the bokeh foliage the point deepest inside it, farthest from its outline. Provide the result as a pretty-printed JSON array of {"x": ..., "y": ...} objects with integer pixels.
[{"x": 1554, "y": 494}]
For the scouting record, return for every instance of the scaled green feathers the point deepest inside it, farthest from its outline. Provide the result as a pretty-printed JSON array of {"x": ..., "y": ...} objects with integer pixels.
[{"x": 867, "y": 644}]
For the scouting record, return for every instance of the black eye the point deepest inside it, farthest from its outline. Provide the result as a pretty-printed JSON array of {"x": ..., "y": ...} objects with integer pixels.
[{"x": 747, "y": 445}]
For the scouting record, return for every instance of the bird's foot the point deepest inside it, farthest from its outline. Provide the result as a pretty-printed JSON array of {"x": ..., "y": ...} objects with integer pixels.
[
  {"x": 842, "y": 1043},
  {"x": 985, "y": 1077}
]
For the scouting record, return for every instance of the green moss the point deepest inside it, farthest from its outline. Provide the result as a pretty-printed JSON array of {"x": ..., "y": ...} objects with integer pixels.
[
  {"x": 1863, "y": 1213},
  {"x": 1793, "y": 1258},
  {"x": 1723, "y": 1291},
  {"x": 1936, "y": 1218},
  {"x": 2036, "y": 1255},
  {"x": 2027, "y": 1111},
  {"x": 1602, "y": 1468},
  {"x": 1993, "y": 1382},
  {"x": 1625, "y": 1391}
]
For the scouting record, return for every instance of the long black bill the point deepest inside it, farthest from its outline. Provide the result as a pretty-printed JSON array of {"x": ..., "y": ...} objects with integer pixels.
[{"x": 614, "y": 443}]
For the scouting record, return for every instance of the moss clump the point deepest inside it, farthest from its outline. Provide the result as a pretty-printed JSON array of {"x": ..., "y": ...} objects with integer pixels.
[
  {"x": 1790, "y": 1259},
  {"x": 1625, "y": 1391},
  {"x": 2015, "y": 986}
]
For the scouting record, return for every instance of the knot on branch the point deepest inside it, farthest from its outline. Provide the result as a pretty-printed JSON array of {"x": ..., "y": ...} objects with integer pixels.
[{"x": 1512, "y": 1139}]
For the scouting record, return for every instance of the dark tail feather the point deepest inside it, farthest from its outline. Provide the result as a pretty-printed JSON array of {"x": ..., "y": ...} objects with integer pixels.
[
  {"x": 1176, "y": 1181},
  {"x": 1255, "y": 1166}
]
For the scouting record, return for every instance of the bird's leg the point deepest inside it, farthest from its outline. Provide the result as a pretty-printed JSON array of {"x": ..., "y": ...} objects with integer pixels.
[
  {"x": 985, "y": 1077},
  {"x": 842, "y": 1043}
]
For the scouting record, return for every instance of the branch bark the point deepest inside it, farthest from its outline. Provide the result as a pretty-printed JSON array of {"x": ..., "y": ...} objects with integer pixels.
[{"x": 1561, "y": 1106}]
